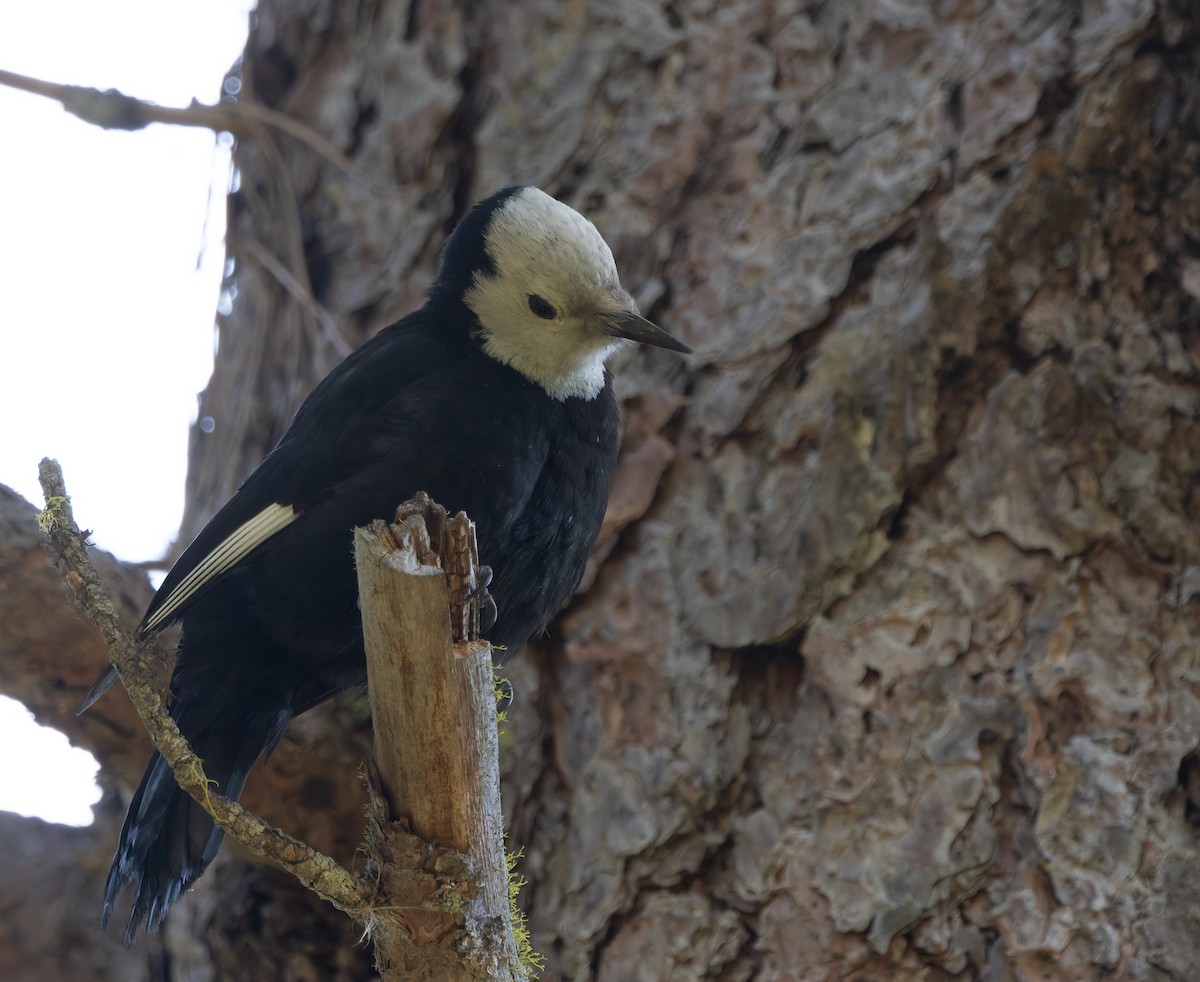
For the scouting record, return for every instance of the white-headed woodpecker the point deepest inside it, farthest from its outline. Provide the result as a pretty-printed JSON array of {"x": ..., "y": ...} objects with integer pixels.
[{"x": 493, "y": 398}]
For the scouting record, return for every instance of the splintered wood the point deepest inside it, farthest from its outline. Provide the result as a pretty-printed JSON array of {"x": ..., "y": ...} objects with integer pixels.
[
  {"x": 436, "y": 539},
  {"x": 433, "y": 707}
]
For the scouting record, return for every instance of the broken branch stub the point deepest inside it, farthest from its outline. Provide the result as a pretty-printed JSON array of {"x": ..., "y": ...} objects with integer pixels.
[{"x": 436, "y": 751}]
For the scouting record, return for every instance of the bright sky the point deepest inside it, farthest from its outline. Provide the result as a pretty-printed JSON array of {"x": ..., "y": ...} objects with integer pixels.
[{"x": 110, "y": 265}]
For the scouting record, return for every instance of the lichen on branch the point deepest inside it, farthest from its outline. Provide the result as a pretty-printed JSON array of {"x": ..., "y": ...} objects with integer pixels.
[{"x": 135, "y": 661}]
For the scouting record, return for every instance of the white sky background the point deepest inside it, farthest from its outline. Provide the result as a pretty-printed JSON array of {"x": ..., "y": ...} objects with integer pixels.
[{"x": 111, "y": 250}]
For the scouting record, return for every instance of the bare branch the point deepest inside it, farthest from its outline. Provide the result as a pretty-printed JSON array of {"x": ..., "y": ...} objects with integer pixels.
[
  {"x": 113, "y": 110},
  {"x": 300, "y": 292}
]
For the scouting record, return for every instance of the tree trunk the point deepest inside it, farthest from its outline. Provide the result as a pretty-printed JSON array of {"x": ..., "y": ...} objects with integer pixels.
[{"x": 887, "y": 666}]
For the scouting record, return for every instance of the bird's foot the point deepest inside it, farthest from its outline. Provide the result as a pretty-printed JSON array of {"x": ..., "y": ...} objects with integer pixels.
[{"x": 485, "y": 603}]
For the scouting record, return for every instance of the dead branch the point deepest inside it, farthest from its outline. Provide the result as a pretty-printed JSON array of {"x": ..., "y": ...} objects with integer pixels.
[
  {"x": 113, "y": 110},
  {"x": 438, "y": 840}
]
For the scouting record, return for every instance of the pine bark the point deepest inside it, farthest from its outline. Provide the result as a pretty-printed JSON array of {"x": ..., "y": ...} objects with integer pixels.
[{"x": 886, "y": 667}]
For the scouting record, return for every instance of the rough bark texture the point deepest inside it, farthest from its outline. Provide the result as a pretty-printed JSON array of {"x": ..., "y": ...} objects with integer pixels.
[{"x": 888, "y": 664}]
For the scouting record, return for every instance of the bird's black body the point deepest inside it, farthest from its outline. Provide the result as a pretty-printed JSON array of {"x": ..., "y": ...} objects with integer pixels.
[
  {"x": 415, "y": 409},
  {"x": 420, "y": 407}
]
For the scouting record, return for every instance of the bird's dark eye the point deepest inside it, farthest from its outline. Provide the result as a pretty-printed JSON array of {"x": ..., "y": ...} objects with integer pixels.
[{"x": 543, "y": 308}]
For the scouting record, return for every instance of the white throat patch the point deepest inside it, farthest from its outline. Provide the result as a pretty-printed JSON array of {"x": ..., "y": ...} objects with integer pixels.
[{"x": 544, "y": 249}]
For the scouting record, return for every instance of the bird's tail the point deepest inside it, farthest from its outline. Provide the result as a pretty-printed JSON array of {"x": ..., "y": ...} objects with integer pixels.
[{"x": 168, "y": 840}]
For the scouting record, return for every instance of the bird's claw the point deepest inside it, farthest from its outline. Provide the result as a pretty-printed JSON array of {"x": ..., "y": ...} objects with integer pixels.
[
  {"x": 483, "y": 580},
  {"x": 504, "y": 695},
  {"x": 488, "y": 612}
]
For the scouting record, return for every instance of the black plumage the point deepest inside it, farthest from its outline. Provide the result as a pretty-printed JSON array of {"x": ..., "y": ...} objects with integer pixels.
[{"x": 267, "y": 594}]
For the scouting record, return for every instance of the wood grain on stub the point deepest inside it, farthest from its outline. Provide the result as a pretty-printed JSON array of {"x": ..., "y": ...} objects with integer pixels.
[{"x": 436, "y": 763}]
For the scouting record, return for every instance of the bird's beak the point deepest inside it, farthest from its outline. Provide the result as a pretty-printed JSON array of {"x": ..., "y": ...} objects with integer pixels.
[{"x": 635, "y": 327}]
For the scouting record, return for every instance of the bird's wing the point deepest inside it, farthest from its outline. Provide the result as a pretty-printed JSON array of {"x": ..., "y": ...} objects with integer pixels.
[
  {"x": 259, "y": 509},
  {"x": 329, "y": 441},
  {"x": 230, "y": 551}
]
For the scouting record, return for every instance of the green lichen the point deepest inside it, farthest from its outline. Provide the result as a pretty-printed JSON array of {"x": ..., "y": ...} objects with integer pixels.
[
  {"x": 49, "y": 517},
  {"x": 199, "y": 777},
  {"x": 531, "y": 961}
]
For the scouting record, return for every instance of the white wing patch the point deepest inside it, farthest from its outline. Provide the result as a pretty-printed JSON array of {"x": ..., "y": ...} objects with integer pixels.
[{"x": 232, "y": 550}]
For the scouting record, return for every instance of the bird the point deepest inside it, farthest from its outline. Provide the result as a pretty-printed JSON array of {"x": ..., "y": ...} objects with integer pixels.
[{"x": 494, "y": 398}]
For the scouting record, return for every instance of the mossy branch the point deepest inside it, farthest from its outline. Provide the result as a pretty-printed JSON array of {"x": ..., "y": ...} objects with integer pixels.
[{"x": 136, "y": 660}]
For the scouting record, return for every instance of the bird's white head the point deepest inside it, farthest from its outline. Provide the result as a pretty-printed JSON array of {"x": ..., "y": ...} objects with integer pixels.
[{"x": 552, "y": 306}]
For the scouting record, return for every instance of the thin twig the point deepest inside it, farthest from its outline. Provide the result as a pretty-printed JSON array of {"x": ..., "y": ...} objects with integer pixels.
[
  {"x": 135, "y": 661},
  {"x": 114, "y": 110},
  {"x": 111, "y": 109},
  {"x": 298, "y": 292}
]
